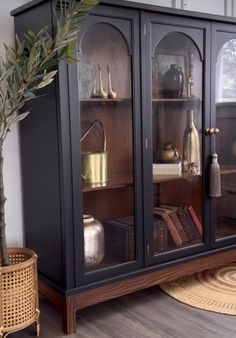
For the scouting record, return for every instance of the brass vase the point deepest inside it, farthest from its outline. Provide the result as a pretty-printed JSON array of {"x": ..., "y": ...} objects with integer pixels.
[{"x": 191, "y": 147}]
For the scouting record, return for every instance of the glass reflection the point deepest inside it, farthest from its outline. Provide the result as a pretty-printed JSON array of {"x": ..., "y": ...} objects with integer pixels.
[{"x": 226, "y": 139}]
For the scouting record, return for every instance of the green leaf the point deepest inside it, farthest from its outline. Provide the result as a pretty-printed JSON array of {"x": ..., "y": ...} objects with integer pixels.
[
  {"x": 50, "y": 75},
  {"x": 32, "y": 64},
  {"x": 31, "y": 33}
]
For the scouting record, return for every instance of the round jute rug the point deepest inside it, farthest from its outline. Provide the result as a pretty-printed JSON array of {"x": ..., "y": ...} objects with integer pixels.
[{"x": 213, "y": 290}]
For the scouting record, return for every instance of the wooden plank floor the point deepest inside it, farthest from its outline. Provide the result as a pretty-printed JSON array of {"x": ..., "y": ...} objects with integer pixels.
[{"x": 146, "y": 314}]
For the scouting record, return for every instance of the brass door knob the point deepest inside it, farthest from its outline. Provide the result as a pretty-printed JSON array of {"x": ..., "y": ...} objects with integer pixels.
[{"x": 212, "y": 131}]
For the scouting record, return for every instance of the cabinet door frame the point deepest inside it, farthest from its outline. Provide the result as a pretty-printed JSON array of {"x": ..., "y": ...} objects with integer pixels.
[
  {"x": 221, "y": 33},
  {"x": 184, "y": 25},
  {"x": 115, "y": 17}
]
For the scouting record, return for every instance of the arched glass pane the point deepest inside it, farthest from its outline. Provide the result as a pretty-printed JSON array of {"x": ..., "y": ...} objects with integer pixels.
[
  {"x": 226, "y": 139},
  {"x": 177, "y": 143},
  {"x": 226, "y": 72},
  {"x": 107, "y": 147}
]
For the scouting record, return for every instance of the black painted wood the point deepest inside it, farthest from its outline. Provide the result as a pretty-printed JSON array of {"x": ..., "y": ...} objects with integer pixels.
[
  {"x": 156, "y": 29},
  {"x": 40, "y": 166},
  {"x": 127, "y": 23},
  {"x": 140, "y": 6},
  {"x": 50, "y": 145}
]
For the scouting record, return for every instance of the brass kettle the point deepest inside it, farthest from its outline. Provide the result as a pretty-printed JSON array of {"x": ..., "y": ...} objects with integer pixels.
[
  {"x": 169, "y": 154},
  {"x": 95, "y": 163}
]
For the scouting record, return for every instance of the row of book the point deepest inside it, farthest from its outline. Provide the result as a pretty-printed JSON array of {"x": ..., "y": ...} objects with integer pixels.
[{"x": 181, "y": 223}]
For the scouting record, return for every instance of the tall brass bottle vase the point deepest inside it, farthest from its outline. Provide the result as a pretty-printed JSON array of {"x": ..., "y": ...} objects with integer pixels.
[{"x": 191, "y": 146}]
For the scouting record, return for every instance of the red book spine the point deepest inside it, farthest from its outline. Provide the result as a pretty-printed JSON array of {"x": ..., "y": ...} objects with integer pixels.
[
  {"x": 170, "y": 225},
  {"x": 178, "y": 226},
  {"x": 195, "y": 220}
]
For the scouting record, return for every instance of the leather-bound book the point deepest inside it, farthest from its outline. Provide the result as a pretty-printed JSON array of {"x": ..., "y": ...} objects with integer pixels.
[
  {"x": 160, "y": 235},
  {"x": 195, "y": 220},
  {"x": 170, "y": 225},
  {"x": 172, "y": 211},
  {"x": 175, "y": 219},
  {"x": 187, "y": 223},
  {"x": 119, "y": 240}
]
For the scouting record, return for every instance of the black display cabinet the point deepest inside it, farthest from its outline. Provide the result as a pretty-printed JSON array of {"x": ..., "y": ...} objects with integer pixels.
[{"x": 115, "y": 156}]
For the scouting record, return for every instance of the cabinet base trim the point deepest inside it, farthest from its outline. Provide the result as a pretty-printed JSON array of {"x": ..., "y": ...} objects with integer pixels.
[{"x": 70, "y": 304}]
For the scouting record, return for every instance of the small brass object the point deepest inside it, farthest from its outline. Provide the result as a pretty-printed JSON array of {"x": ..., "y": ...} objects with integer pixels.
[
  {"x": 212, "y": 131},
  {"x": 170, "y": 154},
  {"x": 111, "y": 93},
  {"x": 190, "y": 78},
  {"x": 101, "y": 93},
  {"x": 95, "y": 163},
  {"x": 94, "y": 93}
]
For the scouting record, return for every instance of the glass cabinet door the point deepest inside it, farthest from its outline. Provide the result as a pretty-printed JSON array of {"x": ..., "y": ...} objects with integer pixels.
[
  {"x": 177, "y": 142},
  {"x": 107, "y": 145},
  {"x": 225, "y": 141}
]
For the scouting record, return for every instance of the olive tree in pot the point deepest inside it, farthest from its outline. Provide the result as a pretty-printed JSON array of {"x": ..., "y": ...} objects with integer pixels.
[{"x": 27, "y": 68}]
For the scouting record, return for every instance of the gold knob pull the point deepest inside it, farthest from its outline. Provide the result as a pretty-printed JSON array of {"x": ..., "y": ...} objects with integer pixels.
[{"x": 212, "y": 131}]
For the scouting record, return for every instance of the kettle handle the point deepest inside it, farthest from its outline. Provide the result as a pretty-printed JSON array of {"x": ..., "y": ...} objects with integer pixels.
[{"x": 103, "y": 133}]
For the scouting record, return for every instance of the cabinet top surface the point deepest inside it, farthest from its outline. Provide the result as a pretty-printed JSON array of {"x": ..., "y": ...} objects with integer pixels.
[{"x": 139, "y": 6}]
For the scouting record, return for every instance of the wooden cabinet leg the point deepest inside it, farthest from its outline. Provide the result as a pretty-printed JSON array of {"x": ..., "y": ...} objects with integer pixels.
[{"x": 69, "y": 316}]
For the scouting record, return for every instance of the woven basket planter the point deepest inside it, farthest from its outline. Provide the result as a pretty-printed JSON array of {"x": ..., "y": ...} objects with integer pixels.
[{"x": 19, "y": 303}]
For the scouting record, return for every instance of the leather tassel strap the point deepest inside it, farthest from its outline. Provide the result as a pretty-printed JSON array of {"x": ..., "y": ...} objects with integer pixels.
[{"x": 215, "y": 181}]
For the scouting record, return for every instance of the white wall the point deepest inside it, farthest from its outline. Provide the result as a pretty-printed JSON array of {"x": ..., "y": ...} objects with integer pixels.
[
  {"x": 221, "y": 7},
  {"x": 166, "y": 3},
  {"x": 207, "y": 6},
  {"x": 12, "y": 174}
]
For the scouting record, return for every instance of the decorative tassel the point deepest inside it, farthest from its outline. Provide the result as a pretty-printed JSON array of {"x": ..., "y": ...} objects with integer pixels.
[{"x": 215, "y": 182}]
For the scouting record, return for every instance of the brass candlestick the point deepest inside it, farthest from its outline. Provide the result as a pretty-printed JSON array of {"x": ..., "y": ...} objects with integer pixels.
[
  {"x": 101, "y": 91},
  {"x": 111, "y": 93},
  {"x": 190, "y": 79}
]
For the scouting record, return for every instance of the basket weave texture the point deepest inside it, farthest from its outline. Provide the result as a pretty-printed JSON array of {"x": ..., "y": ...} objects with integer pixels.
[{"x": 19, "y": 303}]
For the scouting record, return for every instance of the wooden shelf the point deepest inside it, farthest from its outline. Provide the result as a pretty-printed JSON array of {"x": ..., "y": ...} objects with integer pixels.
[
  {"x": 107, "y": 262},
  {"x": 225, "y": 103},
  {"x": 176, "y": 100},
  {"x": 114, "y": 183},
  {"x": 225, "y": 228},
  {"x": 228, "y": 170},
  {"x": 106, "y": 101},
  {"x": 167, "y": 178}
]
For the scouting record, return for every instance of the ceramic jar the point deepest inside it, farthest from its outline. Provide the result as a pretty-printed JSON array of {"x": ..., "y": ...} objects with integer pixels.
[
  {"x": 93, "y": 241},
  {"x": 173, "y": 82}
]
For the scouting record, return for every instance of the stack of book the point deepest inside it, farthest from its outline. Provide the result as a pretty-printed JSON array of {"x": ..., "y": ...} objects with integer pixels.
[
  {"x": 181, "y": 223},
  {"x": 167, "y": 168}
]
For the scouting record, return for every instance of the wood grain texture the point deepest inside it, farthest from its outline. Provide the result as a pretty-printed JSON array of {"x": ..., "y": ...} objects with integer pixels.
[
  {"x": 145, "y": 314},
  {"x": 107, "y": 292}
]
